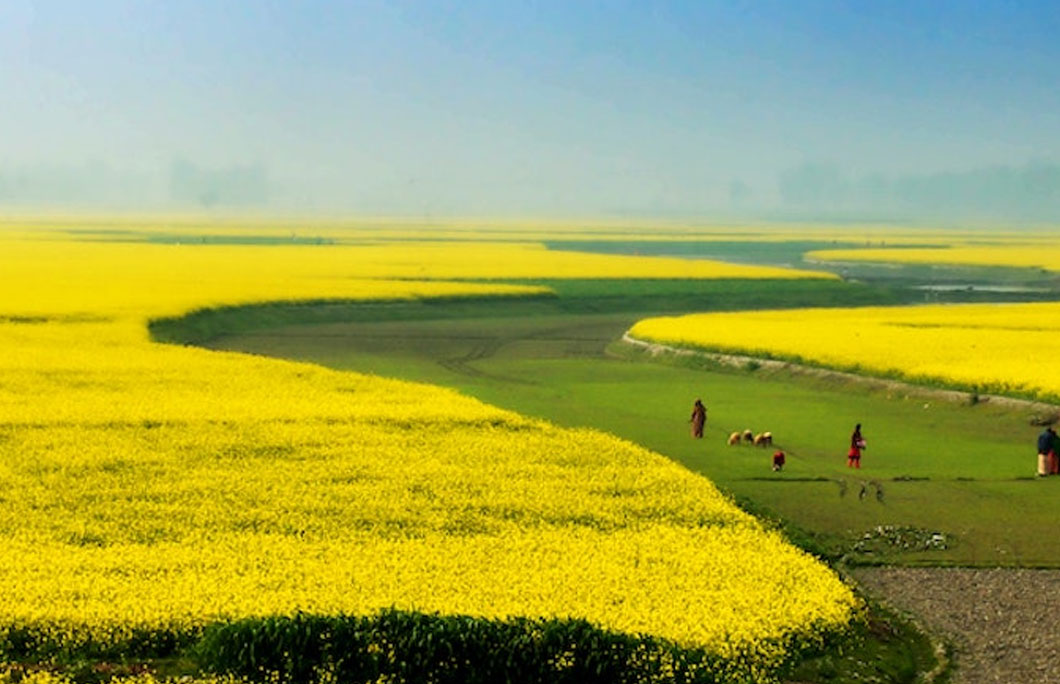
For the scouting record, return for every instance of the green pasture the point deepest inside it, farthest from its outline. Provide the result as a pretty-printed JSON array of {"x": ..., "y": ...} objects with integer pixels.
[
  {"x": 933, "y": 466},
  {"x": 573, "y": 297}
]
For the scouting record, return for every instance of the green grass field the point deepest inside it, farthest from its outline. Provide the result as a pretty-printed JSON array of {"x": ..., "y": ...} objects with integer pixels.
[{"x": 582, "y": 297}]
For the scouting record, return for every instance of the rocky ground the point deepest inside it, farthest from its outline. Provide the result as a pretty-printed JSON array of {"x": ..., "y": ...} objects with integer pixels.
[{"x": 1003, "y": 624}]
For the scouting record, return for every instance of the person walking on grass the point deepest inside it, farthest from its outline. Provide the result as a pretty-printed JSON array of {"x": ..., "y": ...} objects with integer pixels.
[
  {"x": 857, "y": 444},
  {"x": 698, "y": 419}
]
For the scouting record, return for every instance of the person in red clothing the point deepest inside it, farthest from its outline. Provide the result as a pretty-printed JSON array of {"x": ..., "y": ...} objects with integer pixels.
[
  {"x": 778, "y": 461},
  {"x": 857, "y": 444}
]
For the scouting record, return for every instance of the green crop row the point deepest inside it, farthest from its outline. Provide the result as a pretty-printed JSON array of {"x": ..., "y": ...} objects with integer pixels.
[
  {"x": 396, "y": 646},
  {"x": 408, "y": 647}
]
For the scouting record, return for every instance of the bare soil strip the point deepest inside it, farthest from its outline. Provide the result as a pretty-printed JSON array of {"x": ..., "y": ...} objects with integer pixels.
[{"x": 1002, "y": 623}]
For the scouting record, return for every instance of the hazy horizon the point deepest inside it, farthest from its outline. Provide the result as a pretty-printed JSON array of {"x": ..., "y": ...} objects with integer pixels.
[{"x": 895, "y": 110}]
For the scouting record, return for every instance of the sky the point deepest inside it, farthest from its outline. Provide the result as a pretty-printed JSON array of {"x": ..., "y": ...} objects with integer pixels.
[{"x": 526, "y": 108}]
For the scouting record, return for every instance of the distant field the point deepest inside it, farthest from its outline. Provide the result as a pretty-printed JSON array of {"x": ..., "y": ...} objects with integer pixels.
[
  {"x": 536, "y": 297},
  {"x": 938, "y": 264},
  {"x": 207, "y": 228},
  {"x": 1043, "y": 255}
]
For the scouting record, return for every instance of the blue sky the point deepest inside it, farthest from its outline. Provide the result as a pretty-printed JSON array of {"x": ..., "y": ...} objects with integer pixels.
[{"x": 529, "y": 107}]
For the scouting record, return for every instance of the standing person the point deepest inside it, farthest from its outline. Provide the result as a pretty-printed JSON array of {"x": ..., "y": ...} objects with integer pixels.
[
  {"x": 857, "y": 443},
  {"x": 698, "y": 419},
  {"x": 1047, "y": 444}
]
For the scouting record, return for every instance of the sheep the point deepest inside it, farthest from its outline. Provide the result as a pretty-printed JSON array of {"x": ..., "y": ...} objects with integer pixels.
[
  {"x": 748, "y": 436},
  {"x": 734, "y": 438},
  {"x": 763, "y": 440}
]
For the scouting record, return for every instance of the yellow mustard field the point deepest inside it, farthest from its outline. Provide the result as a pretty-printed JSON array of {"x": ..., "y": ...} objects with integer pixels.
[
  {"x": 164, "y": 487},
  {"x": 1025, "y": 253},
  {"x": 135, "y": 278},
  {"x": 197, "y": 229},
  {"x": 989, "y": 347}
]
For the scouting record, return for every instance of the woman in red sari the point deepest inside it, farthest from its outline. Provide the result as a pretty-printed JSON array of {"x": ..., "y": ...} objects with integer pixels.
[{"x": 857, "y": 443}]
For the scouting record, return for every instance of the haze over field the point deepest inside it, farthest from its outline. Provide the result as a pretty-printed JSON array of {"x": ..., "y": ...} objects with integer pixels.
[{"x": 761, "y": 110}]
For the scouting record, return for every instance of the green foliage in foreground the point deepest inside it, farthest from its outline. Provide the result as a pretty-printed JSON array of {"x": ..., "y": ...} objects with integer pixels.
[
  {"x": 404, "y": 646},
  {"x": 398, "y": 646},
  {"x": 883, "y": 649},
  {"x": 401, "y": 646},
  {"x": 47, "y": 643}
]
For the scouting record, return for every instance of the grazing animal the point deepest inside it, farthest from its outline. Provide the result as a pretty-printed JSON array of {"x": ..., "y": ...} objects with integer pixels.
[
  {"x": 778, "y": 461},
  {"x": 763, "y": 440},
  {"x": 734, "y": 438},
  {"x": 748, "y": 436}
]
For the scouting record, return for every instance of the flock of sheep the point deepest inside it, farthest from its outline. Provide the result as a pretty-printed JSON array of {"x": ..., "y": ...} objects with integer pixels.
[{"x": 762, "y": 439}]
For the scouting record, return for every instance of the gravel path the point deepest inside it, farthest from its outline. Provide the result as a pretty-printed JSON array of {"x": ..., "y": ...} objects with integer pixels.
[{"x": 1004, "y": 624}]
